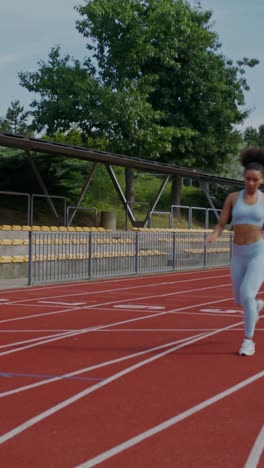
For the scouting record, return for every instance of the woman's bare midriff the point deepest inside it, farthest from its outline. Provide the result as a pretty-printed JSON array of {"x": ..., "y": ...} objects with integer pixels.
[{"x": 246, "y": 234}]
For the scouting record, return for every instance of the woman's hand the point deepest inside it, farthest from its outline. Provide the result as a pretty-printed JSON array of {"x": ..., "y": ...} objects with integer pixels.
[{"x": 212, "y": 237}]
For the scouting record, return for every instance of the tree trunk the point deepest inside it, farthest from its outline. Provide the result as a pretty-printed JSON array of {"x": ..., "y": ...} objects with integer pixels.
[
  {"x": 176, "y": 189},
  {"x": 130, "y": 185}
]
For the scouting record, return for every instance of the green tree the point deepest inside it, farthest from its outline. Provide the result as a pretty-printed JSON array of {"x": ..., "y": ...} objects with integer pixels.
[
  {"x": 156, "y": 86},
  {"x": 253, "y": 136},
  {"x": 67, "y": 94},
  {"x": 16, "y": 120},
  {"x": 196, "y": 90}
]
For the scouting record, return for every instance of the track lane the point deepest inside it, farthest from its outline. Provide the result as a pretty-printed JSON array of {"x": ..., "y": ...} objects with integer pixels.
[{"x": 74, "y": 437}]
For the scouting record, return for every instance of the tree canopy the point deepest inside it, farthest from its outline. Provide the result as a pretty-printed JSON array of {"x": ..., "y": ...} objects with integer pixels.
[
  {"x": 15, "y": 120},
  {"x": 155, "y": 84},
  {"x": 254, "y": 136}
]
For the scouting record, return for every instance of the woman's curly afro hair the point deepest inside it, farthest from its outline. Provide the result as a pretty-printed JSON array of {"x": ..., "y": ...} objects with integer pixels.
[{"x": 253, "y": 158}]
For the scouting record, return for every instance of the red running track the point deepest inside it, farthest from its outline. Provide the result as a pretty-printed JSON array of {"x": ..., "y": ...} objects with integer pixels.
[{"x": 134, "y": 372}]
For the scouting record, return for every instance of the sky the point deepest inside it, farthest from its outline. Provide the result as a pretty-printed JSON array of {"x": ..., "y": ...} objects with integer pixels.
[{"x": 30, "y": 28}]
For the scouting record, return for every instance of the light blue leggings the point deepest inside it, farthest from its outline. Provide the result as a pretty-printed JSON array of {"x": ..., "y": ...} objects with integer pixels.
[{"x": 247, "y": 270}]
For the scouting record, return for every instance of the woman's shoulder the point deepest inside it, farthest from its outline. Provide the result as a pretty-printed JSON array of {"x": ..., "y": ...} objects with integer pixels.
[
  {"x": 262, "y": 196},
  {"x": 233, "y": 196}
]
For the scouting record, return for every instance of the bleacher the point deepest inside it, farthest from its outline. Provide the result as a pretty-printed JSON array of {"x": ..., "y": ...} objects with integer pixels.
[
  {"x": 61, "y": 244},
  {"x": 59, "y": 251},
  {"x": 189, "y": 250},
  {"x": 14, "y": 239}
]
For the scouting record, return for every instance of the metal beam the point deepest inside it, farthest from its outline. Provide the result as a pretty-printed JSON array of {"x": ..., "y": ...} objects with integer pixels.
[
  {"x": 160, "y": 192},
  {"x": 121, "y": 194},
  {"x": 83, "y": 191},
  {"x": 205, "y": 189},
  {"x": 42, "y": 146}
]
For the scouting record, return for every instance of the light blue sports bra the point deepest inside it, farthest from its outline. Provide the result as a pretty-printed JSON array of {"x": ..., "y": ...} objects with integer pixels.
[{"x": 243, "y": 213}]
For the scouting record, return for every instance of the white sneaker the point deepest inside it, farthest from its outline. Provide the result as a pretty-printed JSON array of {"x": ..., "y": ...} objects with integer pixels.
[{"x": 247, "y": 348}]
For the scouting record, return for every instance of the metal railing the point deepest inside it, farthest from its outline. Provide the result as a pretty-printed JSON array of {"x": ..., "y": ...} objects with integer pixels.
[
  {"x": 62, "y": 218},
  {"x": 190, "y": 211},
  {"x": 67, "y": 213},
  {"x": 70, "y": 256},
  {"x": 49, "y": 198},
  {"x": 22, "y": 195}
]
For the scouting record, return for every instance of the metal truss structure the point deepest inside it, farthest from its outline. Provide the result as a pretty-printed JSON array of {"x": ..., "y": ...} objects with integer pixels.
[{"x": 167, "y": 171}]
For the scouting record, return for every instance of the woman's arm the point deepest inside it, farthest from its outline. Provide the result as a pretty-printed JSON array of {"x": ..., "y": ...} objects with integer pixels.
[{"x": 223, "y": 219}]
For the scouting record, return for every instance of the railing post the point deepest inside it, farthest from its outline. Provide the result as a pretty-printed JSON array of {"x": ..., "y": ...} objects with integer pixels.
[
  {"x": 190, "y": 218},
  {"x": 205, "y": 249},
  {"x": 136, "y": 252},
  {"x": 90, "y": 252},
  {"x": 30, "y": 257},
  {"x": 206, "y": 219},
  {"x": 174, "y": 250}
]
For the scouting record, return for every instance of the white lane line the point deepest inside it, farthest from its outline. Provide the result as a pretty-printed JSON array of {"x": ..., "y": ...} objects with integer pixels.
[
  {"x": 71, "y": 304},
  {"x": 63, "y": 311},
  {"x": 40, "y": 330},
  {"x": 138, "y": 306},
  {"x": 168, "y": 423},
  {"x": 100, "y": 327},
  {"x": 54, "y": 409},
  {"x": 37, "y": 340},
  {"x": 40, "y": 341},
  {"x": 117, "y": 330},
  {"x": 159, "y": 330},
  {"x": 256, "y": 452},
  {"x": 105, "y": 291},
  {"x": 95, "y": 306},
  {"x": 98, "y": 366},
  {"x": 222, "y": 311}
]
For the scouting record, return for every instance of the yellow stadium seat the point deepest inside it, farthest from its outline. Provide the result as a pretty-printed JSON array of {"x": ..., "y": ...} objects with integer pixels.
[
  {"x": 5, "y": 259},
  {"x": 18, "y": 259},
  {"x": 17, "y": 242},
  {"x": 6, "y": 242}
]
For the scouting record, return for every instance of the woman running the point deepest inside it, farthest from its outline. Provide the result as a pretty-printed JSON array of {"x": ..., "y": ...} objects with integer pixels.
[{"x": 246, "y": 208}]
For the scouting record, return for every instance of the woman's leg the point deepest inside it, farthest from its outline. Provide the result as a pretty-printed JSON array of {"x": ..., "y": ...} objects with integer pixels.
[
  {"x": 252, "y": 281},
  {"x": 238, "y": 271}
]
